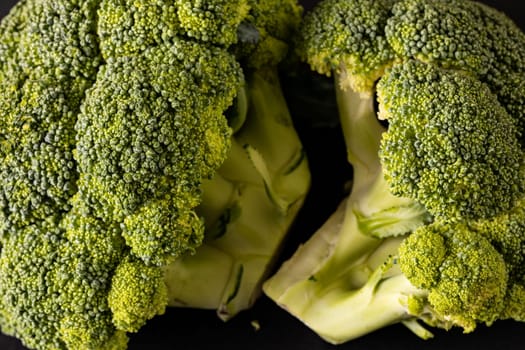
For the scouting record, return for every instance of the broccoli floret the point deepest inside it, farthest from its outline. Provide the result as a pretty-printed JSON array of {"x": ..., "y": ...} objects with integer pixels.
[
  {"x": 119, "y": 118},
  {"x": 216, "y": 21},
  {"x": 432, "y": 228},
  {"x": 507, "y": 234},
  {"x": 136, "y": 164},
  {"x": 473, "y": 270},
  {"x": 138, "y": 293},
  {"x": 348, "y": 38},
  {"x": 440, "y": 148},
  {"x": 466, "y": 277},
  {"x": 446, "y": 33},
  {"x": 464, "y": 35},
  {"x": 41, "y": 97}
]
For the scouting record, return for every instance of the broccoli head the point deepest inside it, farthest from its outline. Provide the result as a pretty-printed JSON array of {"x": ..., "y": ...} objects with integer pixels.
[
  {"x": 348, "y": 37},
  {"x": 118, "y": 121},
  {"x": 430, "y": 105}
]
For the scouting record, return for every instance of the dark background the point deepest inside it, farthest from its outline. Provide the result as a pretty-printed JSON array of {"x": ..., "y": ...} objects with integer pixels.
[{"x": 201, "y": 329}]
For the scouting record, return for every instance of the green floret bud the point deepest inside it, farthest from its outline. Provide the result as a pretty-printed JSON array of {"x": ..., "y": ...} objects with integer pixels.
[
  {"x": 348, "y": 36},
  {"x": 128, "y": 27},
  {"x": 85, "y": 265},
  {"x": 133, "y": 153},
  {"x": 78, "y": 331},
  {"x": 137, "y": 294},
  {"x": 265, "y": 34},
  {"x": 27, "y": 310},
  {"x": 449, "y": 145},
  {"x": 39, "y": 103},
  {"x": 441, "y": 32},
  {"x": 507, "y": 233},
  {"x": 467, "y": 279},
  {"x": 421, "y": 256},
  {"x": 174, "y": 225},
  {"x": 215, "y": 21},
  {"x": 38, "y": 177}
]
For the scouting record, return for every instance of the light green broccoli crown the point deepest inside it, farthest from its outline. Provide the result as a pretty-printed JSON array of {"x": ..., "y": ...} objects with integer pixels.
[
  {"x": 465, "y": 275},
  {"x": 449, "y": 145},
  {"x": 348, "y": 35}
]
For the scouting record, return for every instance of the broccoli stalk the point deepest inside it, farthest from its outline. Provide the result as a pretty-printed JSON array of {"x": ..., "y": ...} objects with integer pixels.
[
  {"x": 343, "y": 264},
  {"x": 248, "y": 207}
]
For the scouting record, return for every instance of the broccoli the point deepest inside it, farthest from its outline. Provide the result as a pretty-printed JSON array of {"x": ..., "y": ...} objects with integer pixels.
[
  {"x": 135, "y": 133},
  {"x": 432, "y": 230}
]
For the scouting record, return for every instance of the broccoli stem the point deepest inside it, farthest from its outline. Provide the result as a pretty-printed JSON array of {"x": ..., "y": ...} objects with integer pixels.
[
  {"x": 343, "y": 303},
  {"x": 248, "y": 207},
  {"x": 361, "y": 132},
  {"x": 340, "y": 282},
  {"x": 343, "y": 314}
]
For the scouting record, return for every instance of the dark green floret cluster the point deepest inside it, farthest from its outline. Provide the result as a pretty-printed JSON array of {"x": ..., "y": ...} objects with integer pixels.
[
  {"x": 120, "y": 122},
  {"x": 449, "y": 142},
  {"x": 430, "y": 97}
]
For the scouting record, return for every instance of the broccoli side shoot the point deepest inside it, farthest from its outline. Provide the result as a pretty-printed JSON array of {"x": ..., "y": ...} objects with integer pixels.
[
  {"x": 141, "y": 149},
  {"x": 348, "y": 36},
  {"x": 465, "y": 275}
]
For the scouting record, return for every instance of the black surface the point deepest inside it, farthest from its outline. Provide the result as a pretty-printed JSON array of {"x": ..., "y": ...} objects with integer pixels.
[{"x": 198, "y": 329}]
